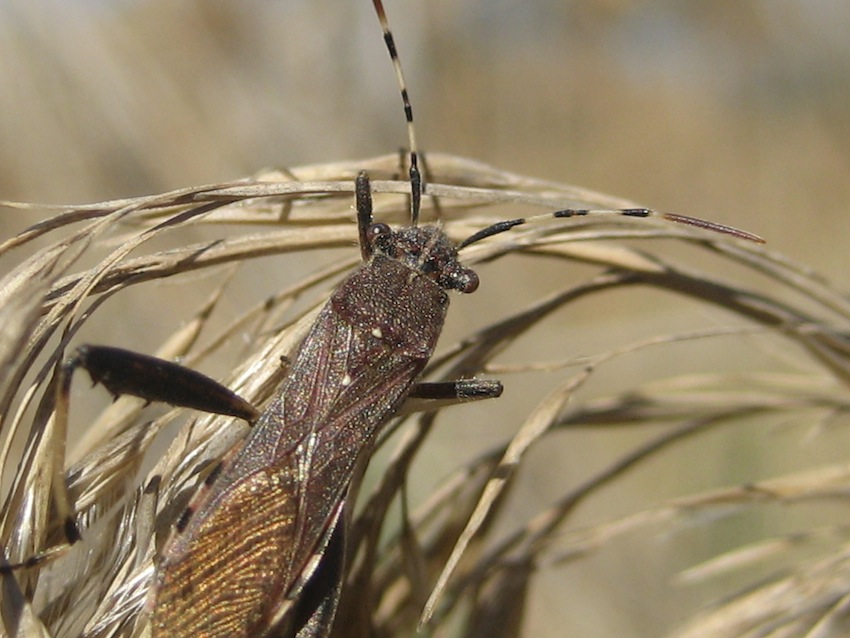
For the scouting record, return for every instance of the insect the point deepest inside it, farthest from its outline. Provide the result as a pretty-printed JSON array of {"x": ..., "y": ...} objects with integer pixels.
[{"x": 260, "y": 549}]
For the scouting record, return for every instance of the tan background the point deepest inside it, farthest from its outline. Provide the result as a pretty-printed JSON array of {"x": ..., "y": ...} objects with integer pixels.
[{"x": 725, "y": 109}]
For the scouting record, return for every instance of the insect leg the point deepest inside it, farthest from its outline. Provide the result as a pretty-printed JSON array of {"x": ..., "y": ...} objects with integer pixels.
[
  {"x": 153, "y": 379},
  {"x": 126, "y": 372},
  {"x": 460, "y": 390}
]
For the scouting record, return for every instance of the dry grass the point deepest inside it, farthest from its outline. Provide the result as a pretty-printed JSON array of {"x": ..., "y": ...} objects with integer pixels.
[
  {"x": 126, "y": 489},
  {"x": 702, "y": 451}
]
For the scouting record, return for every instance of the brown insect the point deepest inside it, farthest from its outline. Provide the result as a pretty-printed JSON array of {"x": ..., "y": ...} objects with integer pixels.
[{"x": 242, "y": 554}]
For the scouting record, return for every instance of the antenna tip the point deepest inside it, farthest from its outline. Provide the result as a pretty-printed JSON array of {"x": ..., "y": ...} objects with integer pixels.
[{"x": 714, "y": 226}]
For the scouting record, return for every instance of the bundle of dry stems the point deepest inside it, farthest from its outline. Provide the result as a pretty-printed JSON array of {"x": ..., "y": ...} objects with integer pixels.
[{"x": 463, "y": 545}]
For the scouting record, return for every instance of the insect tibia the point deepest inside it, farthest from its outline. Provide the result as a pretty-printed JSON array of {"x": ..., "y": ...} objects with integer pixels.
[
  {"x": 125, "y": 372},
  {"x": 459, "y": 391}
]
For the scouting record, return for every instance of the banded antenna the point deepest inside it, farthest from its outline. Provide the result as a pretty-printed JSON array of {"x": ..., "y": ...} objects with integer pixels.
[{"x": 415, "y": 175}]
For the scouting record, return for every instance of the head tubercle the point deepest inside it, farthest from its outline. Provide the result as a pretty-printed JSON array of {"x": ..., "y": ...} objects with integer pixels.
[{"x": 427, "y": 250}]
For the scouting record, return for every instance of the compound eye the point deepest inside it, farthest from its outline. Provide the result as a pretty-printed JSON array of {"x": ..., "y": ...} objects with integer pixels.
[
  {"x": 378, "y": 235},
  {"x": 461, "y": 279},
  {"x": 469, "y": 282}
]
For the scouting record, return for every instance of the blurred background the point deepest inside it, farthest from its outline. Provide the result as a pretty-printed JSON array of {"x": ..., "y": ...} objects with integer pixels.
[
  {"x": 731, "y": 110},
  {"x": 737, "y": 112}
]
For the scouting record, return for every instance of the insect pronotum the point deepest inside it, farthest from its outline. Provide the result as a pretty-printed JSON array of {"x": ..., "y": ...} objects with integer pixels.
[{"x": 260, "y": 549}]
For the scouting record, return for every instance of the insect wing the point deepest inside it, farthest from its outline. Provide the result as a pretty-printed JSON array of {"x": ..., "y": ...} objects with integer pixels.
[{"x": 242, "y": 556}]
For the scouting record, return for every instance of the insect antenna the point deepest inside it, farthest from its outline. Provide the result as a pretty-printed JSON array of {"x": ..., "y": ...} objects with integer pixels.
[
  {"x": 415, "y": 174},
  {"x": 502, "y": 226}
]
